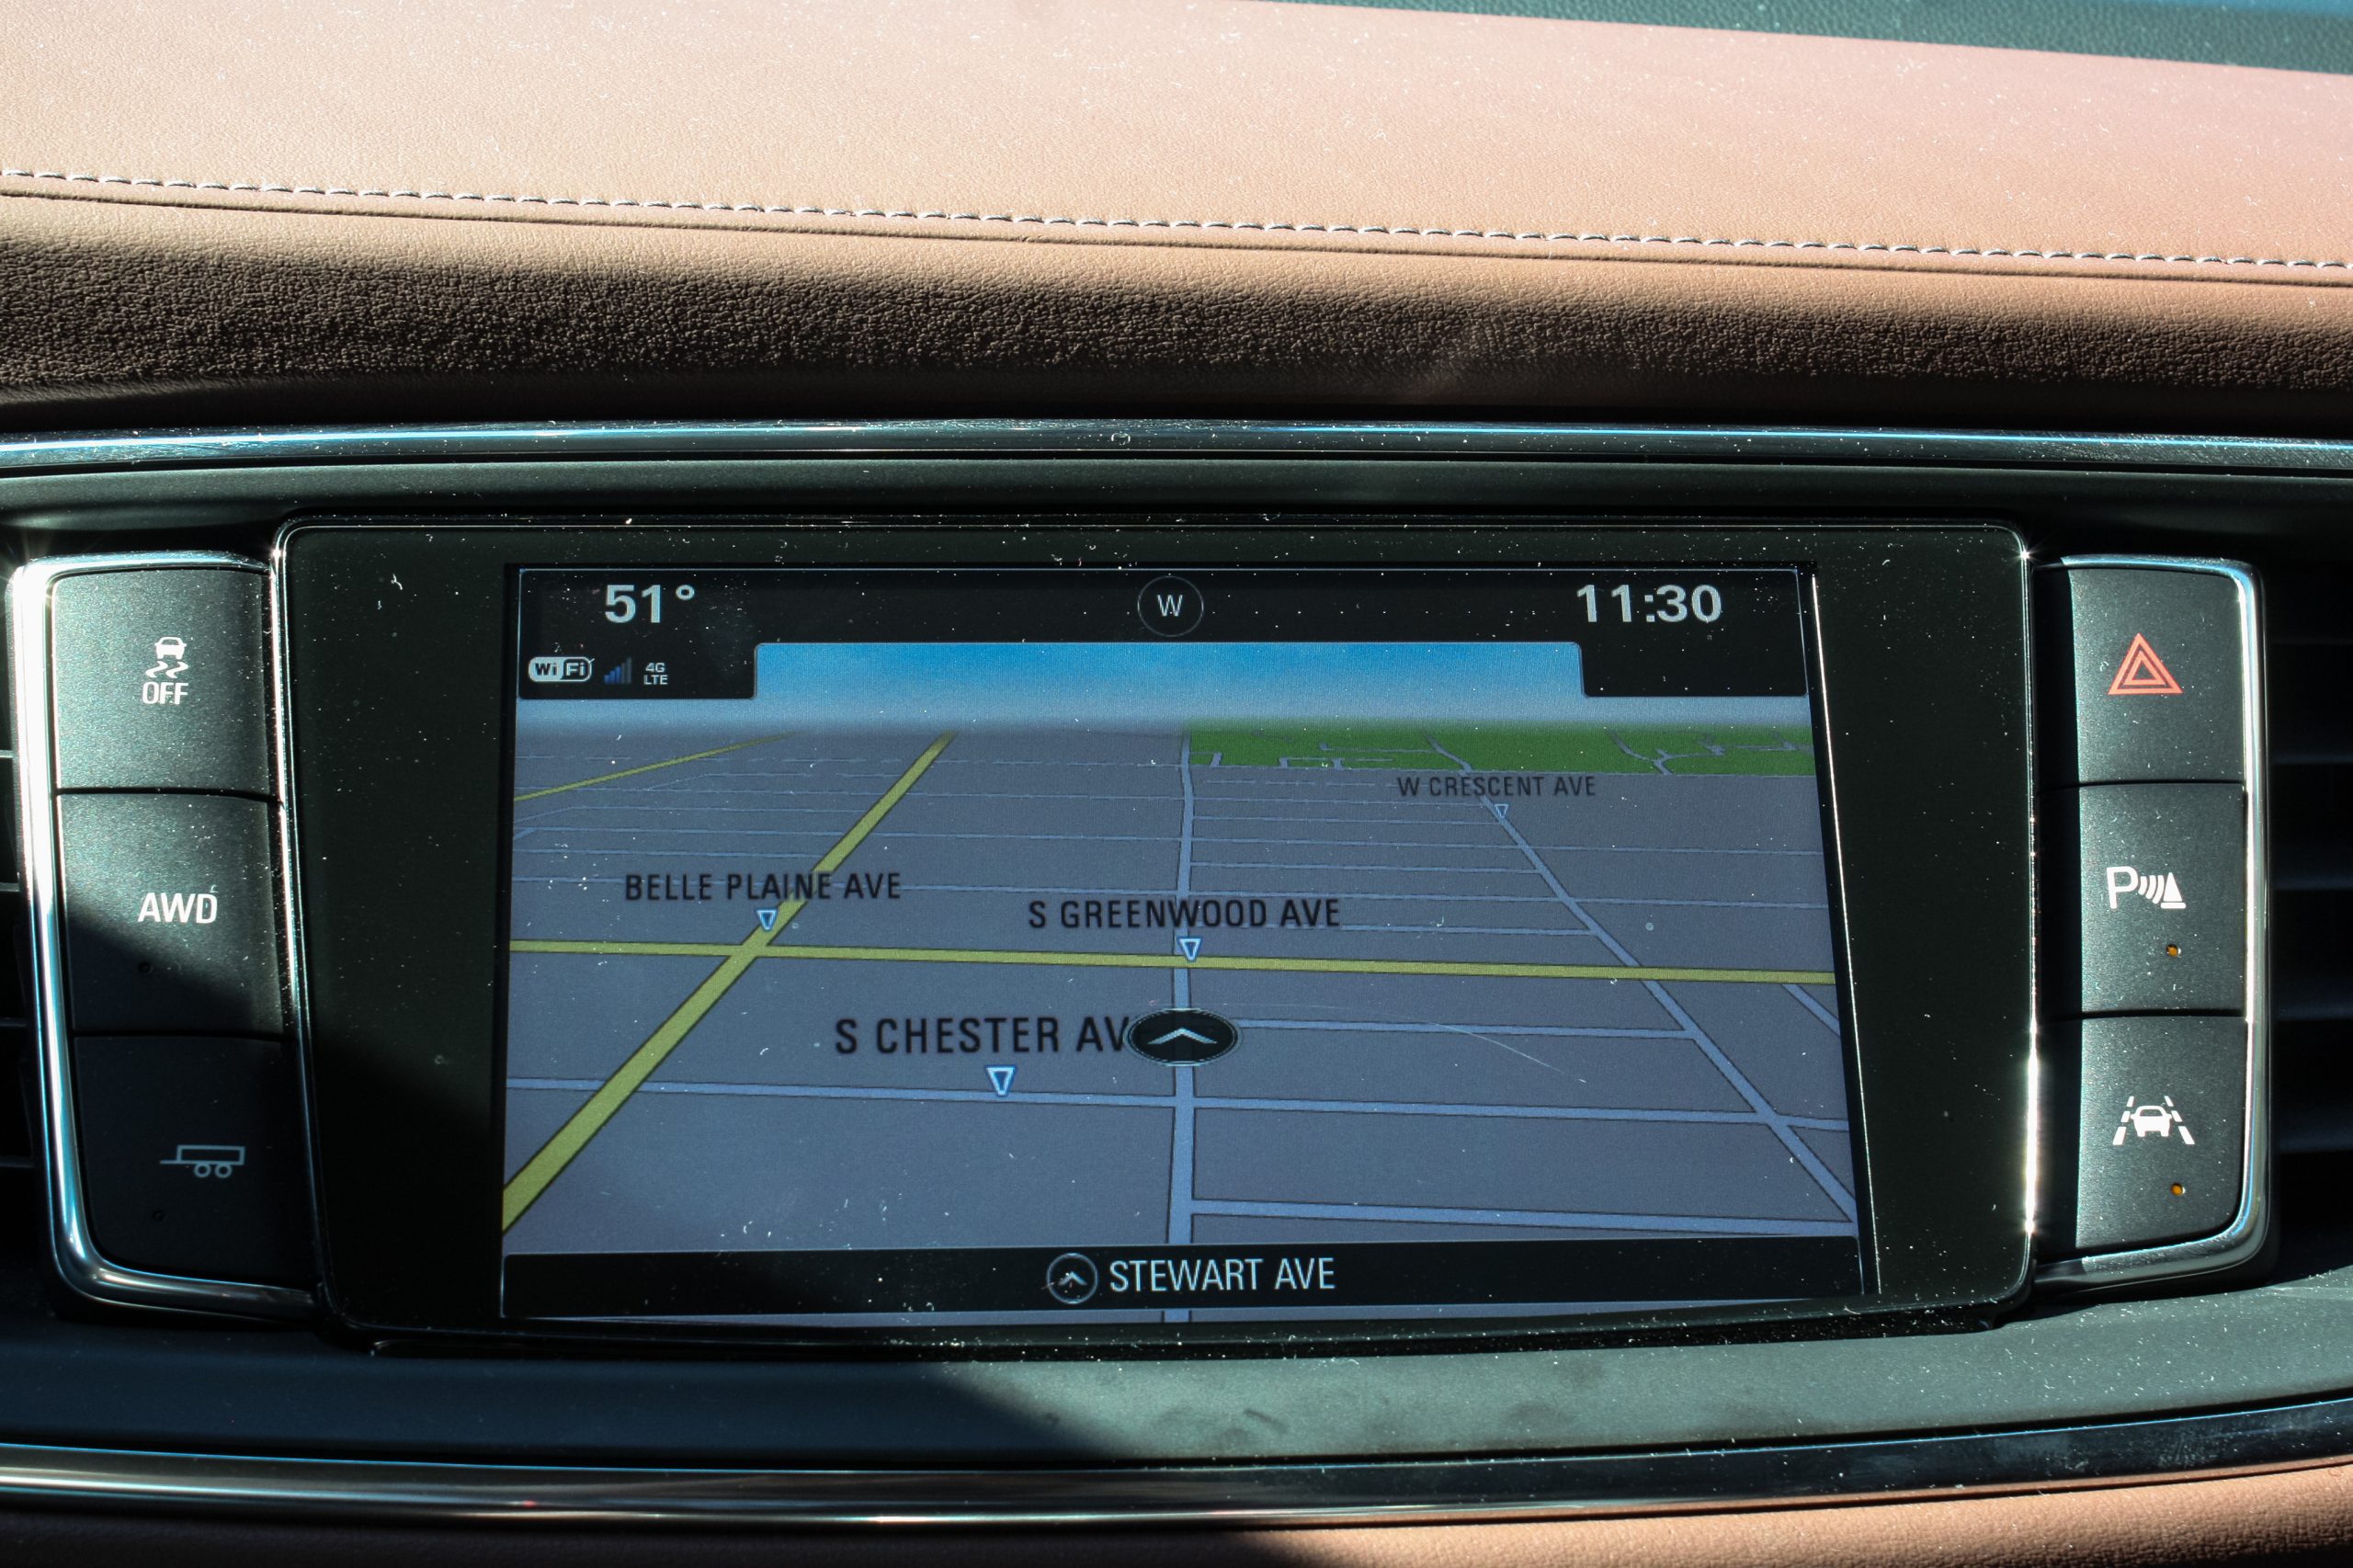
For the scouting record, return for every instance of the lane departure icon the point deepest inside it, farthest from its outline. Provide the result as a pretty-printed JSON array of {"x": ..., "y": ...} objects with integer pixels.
[{"x": 2142, "y": 1120}]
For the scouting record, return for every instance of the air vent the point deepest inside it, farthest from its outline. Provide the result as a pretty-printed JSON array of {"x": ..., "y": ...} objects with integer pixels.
[
  {"x": 2311, "y": 669},
  {"x": 16, "y": 1063}
]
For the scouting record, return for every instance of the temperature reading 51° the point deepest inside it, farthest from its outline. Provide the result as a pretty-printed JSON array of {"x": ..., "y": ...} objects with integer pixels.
[{"x": 624, "y": 600}]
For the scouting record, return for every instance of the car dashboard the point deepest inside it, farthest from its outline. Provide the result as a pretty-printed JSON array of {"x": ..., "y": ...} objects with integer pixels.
[{"x": 1018, "y": 829}]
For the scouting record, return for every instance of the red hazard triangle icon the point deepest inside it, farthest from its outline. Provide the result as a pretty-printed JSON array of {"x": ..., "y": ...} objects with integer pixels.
[{"x": 2143, "y": 674}]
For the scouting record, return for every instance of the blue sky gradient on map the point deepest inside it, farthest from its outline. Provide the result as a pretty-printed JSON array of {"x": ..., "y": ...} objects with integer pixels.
[
  {"x": 1164, "y": 687},
  {"x": 1167, "y": 685}
]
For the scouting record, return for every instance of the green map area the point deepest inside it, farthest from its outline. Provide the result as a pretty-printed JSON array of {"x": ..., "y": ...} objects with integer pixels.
[{"x": 1750, "y": 750}]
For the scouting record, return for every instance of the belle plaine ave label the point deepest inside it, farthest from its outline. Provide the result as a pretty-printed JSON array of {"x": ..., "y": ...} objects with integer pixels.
[{"x": 760, "y": 887}]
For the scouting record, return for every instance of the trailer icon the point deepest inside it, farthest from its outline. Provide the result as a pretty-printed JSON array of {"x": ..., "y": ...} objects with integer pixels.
[{"x": 208, "y": 1159}]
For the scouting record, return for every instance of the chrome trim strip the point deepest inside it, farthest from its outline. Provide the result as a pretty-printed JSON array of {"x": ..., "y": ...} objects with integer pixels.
[
  {"x": 1426, "y": 1491},
  {"x": 2250, "y": 1227},
  {"x": 79, "y": 1261},
  {"x": 289, "y": 906},
  {"x": 2035, "y": 981},
  {"x": 469, "y": 443}
]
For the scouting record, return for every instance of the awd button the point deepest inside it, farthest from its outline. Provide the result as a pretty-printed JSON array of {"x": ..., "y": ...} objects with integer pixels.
[{"x": 170, "y": 915}]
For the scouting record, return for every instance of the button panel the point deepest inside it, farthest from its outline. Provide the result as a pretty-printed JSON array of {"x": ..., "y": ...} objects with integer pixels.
[
  {"x": 2154, "y": 798},
  {"x": 144, "y": 721},
  {"x": 160, "y": 680},
  {"x": 2146, "y": 669},
  {"x": 2163, "y": 898},
  {"x": 169, "y": 915},
  {"x": 2161, "y": 1145},
  {"x": 192, "y": 1156}
]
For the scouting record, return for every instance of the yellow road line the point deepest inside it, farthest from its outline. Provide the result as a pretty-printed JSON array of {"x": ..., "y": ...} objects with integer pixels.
[
  {"x": 649, "y": 767},
  {"x": 1153, "y": 960},
  {"x": 590, "y": 1118}
]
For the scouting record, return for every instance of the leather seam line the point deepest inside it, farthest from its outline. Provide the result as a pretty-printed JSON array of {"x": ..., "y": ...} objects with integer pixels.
[{"x": 1268, "y": 226}]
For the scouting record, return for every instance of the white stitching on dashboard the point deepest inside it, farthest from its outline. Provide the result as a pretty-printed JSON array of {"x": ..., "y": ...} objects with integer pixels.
[{"x": 1406, "y": 231}]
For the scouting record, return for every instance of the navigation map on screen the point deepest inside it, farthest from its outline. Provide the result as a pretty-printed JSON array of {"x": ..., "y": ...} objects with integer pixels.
[{"x": 994, "y": 946}]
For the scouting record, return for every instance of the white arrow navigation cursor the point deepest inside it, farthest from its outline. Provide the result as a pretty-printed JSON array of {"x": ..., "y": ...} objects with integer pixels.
[
  {"x": 1191, "y": 946},
  {"x": 1001, "y": 1080},
  {"x": 768, "y": 919}
]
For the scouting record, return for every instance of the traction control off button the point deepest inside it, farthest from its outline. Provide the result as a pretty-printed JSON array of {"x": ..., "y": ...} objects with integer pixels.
[{"x": 160, "y": 678}]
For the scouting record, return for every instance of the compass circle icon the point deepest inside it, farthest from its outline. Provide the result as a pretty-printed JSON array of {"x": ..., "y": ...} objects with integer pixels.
[{"x": 1071, "y": 1279}]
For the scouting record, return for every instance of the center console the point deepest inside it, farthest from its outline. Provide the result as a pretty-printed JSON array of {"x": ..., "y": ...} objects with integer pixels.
[{"x": 1030, "y": 933}]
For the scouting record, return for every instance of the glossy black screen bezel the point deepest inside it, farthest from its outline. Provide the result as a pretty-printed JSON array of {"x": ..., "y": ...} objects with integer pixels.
[{"x": 398, "y": 642}]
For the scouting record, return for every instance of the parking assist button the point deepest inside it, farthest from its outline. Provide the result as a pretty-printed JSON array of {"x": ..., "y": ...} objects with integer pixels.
[{"x": 2163, "y": 897}]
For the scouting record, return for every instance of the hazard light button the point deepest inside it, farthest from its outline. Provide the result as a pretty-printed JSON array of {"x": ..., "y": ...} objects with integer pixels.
[{"x": 2146, "y": 675}]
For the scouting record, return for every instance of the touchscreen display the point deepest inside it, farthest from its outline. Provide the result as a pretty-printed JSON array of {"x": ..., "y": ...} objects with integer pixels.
[{"x": 1086, "y": 945}]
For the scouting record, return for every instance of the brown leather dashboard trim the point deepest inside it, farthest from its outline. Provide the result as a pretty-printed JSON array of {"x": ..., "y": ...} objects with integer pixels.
[
  {"x": 940, "y": 222},
  {"x": 1129, "y": 119},
  {"x": 2303, "y": 1517},
  {"x": 215, "y": 214},
  {"x": 2269, "y": 1517}
]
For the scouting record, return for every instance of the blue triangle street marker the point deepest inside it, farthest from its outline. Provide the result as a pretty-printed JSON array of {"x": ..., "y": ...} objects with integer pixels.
[
  {"x": 1001, "y": 1079},
  {"x": 768, "y": 919},
  {"x": 1192, "y": 946}
]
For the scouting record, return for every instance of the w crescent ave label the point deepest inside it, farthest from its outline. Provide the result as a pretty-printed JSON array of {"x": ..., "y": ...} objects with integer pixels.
[{"x": 2143, "y": 674}]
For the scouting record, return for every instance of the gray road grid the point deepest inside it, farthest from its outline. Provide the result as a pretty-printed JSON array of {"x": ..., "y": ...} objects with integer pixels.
[{"x": 829, "y": 1102}]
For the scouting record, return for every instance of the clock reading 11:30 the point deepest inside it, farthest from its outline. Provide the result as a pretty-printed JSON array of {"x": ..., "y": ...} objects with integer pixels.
[{"x": 1668, "y": 602}]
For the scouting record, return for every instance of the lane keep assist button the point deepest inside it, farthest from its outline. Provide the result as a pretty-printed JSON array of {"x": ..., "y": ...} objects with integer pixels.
[{"x": 2160, "y": 1149}]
